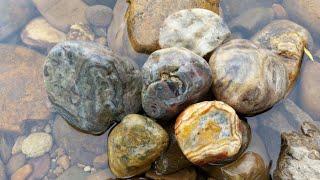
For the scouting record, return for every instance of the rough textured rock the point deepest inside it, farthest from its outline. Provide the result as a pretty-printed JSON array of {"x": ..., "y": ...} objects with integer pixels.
[
  {"x": 198, "y": 30},
  {"x": 21, "y": 67},
  {"x": 117, "y": 36},
  {"x": 305, "y": 12},
  {"x": 310, "y": 96},
  {"x": 80, "y": 32},
  {"x": 91, "y": 86},
  {"x": 146, "y": 17},
  {"x": 40, "y": 34},
  {"x": 208, "y": 132},
  {"x": 14, "y": 16},
  {"x": 134, "y": 144},
  {"x": 173, "y": 78},
  {"x": 288, "y": 40},
  {"x": 185, "y": 174},
  {"x": 62, "y": 13},
  {"x": 173, "y": 159},
  {"x": 247, "y": 77},
  {"x": 81, "y": 147},
  {"x": 37, "y": 144},
  {"x": 250, "y": 166},
  {"x": 41, "y": 166},
  {"x": 22, "y": 173},
  {"x": 99, "y": 15},
  {"x": 251, "y": 21},
  {"x": 15, "y": 162},
  {"x": 74, "y": 173},
  {"x": 299, "y": 157}
]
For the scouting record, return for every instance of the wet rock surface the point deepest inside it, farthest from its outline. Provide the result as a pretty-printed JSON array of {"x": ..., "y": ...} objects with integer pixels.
[
  {"x": 173, "y": 78},
  {"x": 186, "y": 174},
  {"x": 79, "y": 73},
  {"x": 22, "y": 173},
  {"x": 146, "y": 17},
  {"x": 14, "y": 16},
  {"x": 198, "y": 30},
  {"x": 21, "y": 67},
  {"x": 74, "y": 173},
  {"x": 80, "y": 32},
  {"x": 79, "y": 146},
  {"x": 62, "y": 13},
  {"x": 2, "y": 171},
  {"x": 37, "y": 144},
  {"x": 299, "y": 157},
  {"x": 40, "y": 34},
  {"x": 134, "y": 144},
  {"x": 288, "y": 40},
  {"x": 15, "y": 162},
  {"x": 208, "y": 132},
  {"x": 247, "y": 77},
  {"x": 99, "y": 15},
  {"x": 41, "y": 166},
  {"x": 310, "y": 96}
]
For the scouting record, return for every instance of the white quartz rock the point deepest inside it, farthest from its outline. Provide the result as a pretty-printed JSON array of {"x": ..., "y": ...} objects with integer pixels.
[{"x": 198, "y": 30}]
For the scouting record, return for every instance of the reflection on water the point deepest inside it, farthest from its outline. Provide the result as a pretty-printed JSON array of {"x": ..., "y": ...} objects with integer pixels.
[{"x": 25, "y": 108}]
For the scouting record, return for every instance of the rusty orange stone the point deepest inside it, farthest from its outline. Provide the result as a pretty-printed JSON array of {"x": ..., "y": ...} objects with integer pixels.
[
  {"x": 208, "y": 132},
  {"x": 22, "y": 93}
]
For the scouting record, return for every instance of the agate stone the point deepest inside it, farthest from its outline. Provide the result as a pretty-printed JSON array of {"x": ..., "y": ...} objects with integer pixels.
[
  {"x": 198, "y": 30},
  {"x": 209, "y": 132},
  {"x": 173, "y": 78},
  {"x": 134, "y": 144},
  {"x": 249, "y": 78},
  {"x": 90, "y": 86}
]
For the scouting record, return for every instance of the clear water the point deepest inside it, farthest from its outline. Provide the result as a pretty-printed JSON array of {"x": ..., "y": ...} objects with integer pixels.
[{"x": 266, "y": 126}]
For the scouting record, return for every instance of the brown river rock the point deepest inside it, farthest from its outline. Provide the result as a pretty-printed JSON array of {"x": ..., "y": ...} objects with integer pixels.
[
  {"x": 209, "y": 132},
  {"x": 145, "y": 18},
  {"x": 288, "y": 40},
  {"x": 21, "y": 68},
  {"x": 134, "y": 144},
  {"x": 62, "y": 13},
  {"x": 249, "y": 78}
]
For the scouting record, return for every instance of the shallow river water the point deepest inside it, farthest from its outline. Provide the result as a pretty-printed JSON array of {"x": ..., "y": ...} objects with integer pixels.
[{"x": 72, "y": 154}]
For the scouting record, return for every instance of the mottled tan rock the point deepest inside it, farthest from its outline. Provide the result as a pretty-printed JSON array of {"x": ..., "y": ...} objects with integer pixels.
[
  {"x": 146, "y": 17},
  {"x": 64, "y": 162},
  {"x": 250, "y": 166},
  {"x": 198, "y": 30},
  {"x": 310, "y": 96},
  {"x": 40, "y": 34},
  {"x": 249, "y": 78},
  {"x": 117, "y": 36},
  {"x": 62, "y": 13},
  {"x": 288, "y": 40},
  {"x": 134, "y": 144},
  {"x": 37, "y": 144},
  {"x": 185, "y": 174},
  {"x": 208, "y": 132},
  {"x": 22, "y": 173},
  {"x": 21, "y": 67},
  {"x": 100, "y": 162},
  {"x": 80, "y": 32}
]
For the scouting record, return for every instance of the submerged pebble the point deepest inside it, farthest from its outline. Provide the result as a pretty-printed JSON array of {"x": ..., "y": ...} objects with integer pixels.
[
  {"x": 209, "y": 132},
  {"x": 198, "y": 30},
  {"x": 247, "y": 77},
  {"x": 99, "y": 15},
  {"x": 173, "y": 78},
  {"x": 80, "y": 32},
  {"x": 90, "y": 86},
  {"x": 134, "y": 144},
  {"x": 37, "y": 144}
]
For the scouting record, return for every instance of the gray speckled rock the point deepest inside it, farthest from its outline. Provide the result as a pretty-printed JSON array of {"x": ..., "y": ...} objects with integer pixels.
[
  {"x": 198, "y": 30},
  {"x": 247, "y": 77},
  {"x": 90, "y": 86},
  {"x": 173, "y": 79}
]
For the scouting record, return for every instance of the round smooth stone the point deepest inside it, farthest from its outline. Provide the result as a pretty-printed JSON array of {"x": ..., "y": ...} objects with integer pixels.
[
  {"x": 198, "y": 30},
  {"x": 134, "y": 144},
  {"x": 90, "y": 86},
  {"x": 173, "y": 78},
  {"x": 209, "y": 132},
  {"x": 37, "y": 144},
  {"x": 288, "y": 40},
  {"x": 249, "y": 78}
]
